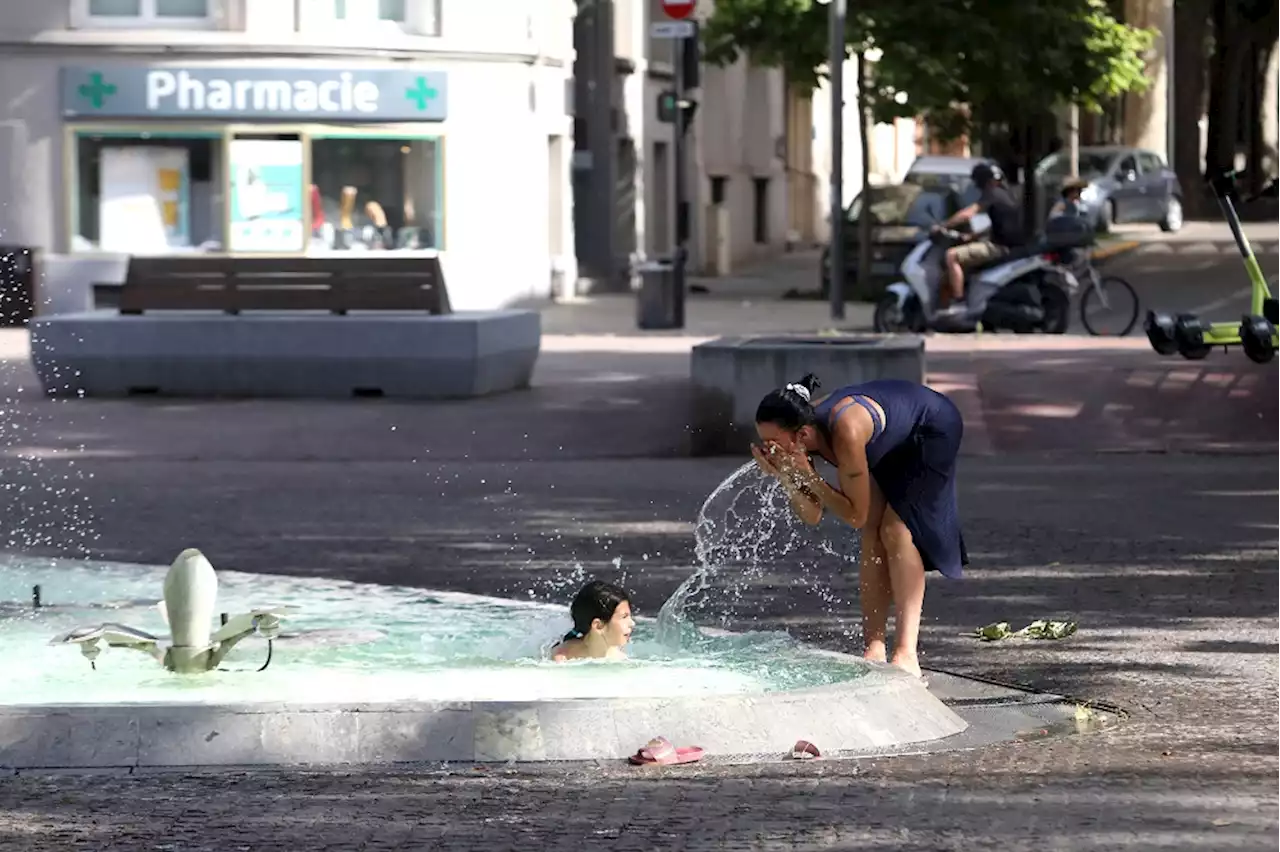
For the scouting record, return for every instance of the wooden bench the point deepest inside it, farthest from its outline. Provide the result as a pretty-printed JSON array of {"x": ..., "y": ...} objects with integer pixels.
[{"x": 333, "y": 284}]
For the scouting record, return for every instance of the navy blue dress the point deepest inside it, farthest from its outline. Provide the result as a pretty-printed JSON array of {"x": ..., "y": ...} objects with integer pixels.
[{"x": 912, "y": 457}]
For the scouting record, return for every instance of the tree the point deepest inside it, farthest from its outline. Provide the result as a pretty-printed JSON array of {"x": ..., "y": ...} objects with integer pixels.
[
  {"x": 1244, "y": 34},
  {"x": 957, "y": 63},
  {"x": 1190, "y": 58},
  {"x": 1002, "y": 60}
]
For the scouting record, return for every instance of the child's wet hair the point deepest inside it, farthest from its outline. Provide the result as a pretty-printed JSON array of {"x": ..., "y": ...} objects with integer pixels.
[{"x": 596, "y": 599}]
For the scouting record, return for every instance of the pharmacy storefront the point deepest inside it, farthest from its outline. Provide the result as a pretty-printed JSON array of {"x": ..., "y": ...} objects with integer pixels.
[{"x": 241, "y": 159}]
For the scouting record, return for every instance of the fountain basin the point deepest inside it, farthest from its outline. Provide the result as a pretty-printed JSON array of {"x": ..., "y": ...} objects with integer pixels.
[
  {"x": 731, "y": 374},
  {"x": 415, "y": 677}
]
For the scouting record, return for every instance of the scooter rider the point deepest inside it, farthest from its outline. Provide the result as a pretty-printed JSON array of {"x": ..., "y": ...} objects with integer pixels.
[{"x": 1006, "y": 231}]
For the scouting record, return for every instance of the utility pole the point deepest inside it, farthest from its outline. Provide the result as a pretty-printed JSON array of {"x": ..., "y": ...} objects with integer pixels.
[
  {"x": 601, "y": 145},
  {"x": 835, "y": 65},
  {"x": 682, "y": 204},
  {"x": 1170, "y": 78},
  {"x": 1073, "y": 140}
]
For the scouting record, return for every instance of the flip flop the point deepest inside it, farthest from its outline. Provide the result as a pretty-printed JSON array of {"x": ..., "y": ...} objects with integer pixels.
[{"x": 660, "y": 752}]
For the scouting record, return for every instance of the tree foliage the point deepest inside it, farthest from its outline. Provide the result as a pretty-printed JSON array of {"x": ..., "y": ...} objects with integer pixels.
[{"x": 959, "y": 61}]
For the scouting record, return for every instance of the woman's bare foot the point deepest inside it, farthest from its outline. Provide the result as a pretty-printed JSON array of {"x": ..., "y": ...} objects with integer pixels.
[
  {"x": 875, "y": 652},
  {"x": 907, "y": 662}
]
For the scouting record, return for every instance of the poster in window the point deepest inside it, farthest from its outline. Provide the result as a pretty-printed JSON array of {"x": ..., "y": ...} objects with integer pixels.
[
  {"x": 266, "y": 195},
  {"x": 144, "y": 199}
]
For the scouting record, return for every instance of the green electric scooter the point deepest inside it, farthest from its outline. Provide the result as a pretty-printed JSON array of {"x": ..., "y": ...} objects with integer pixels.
[{"x": 1192, "y": 337}]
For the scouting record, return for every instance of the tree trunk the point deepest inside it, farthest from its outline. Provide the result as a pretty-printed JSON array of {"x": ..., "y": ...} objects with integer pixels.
[
  {"x": 1268, "y": 117},
  {"x": 1030, "y": 190},
  {"x": 864, "y": 220},
  {"x": 1230, "y": 50},
  {"x": 1190, "y": 20},
  {"x": 1263, "y": 44}
]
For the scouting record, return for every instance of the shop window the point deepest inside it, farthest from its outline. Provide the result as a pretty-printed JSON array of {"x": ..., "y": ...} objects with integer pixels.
[
  {"x": 418, "y": 17},
  {"x": 144, "y": 13},
  {"x": 267, "y": 199},
  {"x": 376, "y": 194},
  {"x": 148, "y": 194}
]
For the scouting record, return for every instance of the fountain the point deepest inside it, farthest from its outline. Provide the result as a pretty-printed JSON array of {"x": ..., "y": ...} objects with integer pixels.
[
  {"x": 190, "y": 593},
  {"x": 362, "y": 674}
]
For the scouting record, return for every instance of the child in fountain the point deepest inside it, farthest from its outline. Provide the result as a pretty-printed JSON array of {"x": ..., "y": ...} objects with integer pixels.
[{"x": 602, "y": 624}]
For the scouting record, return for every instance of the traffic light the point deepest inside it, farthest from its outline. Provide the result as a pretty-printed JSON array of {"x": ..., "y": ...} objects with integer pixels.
[{"x": 668, "y": 104}]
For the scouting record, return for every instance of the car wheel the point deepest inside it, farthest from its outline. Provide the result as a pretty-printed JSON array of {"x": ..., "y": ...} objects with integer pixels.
[
  {"x": 1172, "y": 220},
  {"x": 1106, "y": 217}
]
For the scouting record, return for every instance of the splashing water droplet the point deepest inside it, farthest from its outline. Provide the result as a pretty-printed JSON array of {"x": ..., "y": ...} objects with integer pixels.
[{"x": 748, "y": 544}]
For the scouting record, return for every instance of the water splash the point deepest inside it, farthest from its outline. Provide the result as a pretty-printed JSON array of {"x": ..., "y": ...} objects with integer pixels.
[
  {"x": 750, "y": 547},
  {"x": 42, "y": 504}
]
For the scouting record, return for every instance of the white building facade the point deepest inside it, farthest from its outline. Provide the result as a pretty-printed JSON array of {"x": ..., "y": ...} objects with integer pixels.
[
  {"x": 294, "y": 127},
  {"x": 758, "y": 154}
]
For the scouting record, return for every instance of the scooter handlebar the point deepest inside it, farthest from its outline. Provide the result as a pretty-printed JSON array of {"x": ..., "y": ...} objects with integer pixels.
[
  {"x": 1223, "y": 183},
  {"x": 1270, "y": 190}
]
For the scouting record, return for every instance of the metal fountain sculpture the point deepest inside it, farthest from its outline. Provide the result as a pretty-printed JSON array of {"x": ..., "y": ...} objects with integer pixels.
[{"x": 190, "y": 596}]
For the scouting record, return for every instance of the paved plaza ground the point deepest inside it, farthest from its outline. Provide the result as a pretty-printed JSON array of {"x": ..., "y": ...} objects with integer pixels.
[{"x": 1099, "y": 482}]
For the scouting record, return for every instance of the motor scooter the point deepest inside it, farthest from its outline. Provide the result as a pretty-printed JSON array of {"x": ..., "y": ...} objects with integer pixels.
[{"x": 1025, "y": 291}]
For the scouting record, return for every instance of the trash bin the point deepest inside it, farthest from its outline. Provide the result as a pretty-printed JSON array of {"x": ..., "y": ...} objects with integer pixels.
[
  {"x": 17, "y": 285},
  {"x": 656, "y": 305}
]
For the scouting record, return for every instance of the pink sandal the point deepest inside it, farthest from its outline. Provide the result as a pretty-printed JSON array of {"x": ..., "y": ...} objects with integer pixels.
[{"x": 660, "y": 752}]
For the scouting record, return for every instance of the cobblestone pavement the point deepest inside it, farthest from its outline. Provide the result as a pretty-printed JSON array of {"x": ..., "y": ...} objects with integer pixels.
[{"x": 1169, "y": 562}]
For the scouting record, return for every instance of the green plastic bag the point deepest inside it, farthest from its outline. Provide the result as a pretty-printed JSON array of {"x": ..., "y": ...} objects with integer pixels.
[{"x": 1039, "y": 629}]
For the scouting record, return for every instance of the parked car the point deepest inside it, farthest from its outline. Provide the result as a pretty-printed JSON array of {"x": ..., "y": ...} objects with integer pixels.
[
  {"x": 1125, "y": 185},
  {"x": 953, "y": 172},
  {"x": 899, "y": 212},
  {"x": 933, "y": 188}
]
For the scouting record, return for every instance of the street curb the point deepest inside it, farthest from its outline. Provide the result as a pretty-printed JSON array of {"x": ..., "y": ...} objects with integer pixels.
[{"x": 1115, "y": 249}]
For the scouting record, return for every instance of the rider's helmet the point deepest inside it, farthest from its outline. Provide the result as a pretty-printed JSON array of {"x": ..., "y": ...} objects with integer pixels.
[{"x": 985, "y": 174}]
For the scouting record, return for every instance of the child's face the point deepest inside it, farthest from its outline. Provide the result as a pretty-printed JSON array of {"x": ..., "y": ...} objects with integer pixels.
[{"x": 617, "y": 631}]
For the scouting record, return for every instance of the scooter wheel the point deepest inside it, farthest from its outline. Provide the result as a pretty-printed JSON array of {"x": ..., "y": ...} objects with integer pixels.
[
  {"x": 1159, "y": 329},
  {"x": 1257, "y": 338},
  {"x": 894, "y": 317},
  {"x": 1188, "y": 332}
]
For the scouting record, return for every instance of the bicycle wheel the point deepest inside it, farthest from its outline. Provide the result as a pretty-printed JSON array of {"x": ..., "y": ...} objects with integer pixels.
[{"x": 1109, "y": 307}]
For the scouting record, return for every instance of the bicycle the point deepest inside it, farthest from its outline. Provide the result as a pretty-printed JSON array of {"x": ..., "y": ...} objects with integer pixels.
[{"x": 1101, "y": 293}]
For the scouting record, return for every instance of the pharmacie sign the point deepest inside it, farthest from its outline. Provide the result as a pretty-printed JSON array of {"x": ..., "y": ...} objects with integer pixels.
[{"x": 276, "y": 94}]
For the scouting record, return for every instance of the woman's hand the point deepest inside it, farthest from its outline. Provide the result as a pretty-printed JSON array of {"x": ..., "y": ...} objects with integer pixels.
[
  {"x": 763, "y": 460},
  {"x": 795, "y": 467}
]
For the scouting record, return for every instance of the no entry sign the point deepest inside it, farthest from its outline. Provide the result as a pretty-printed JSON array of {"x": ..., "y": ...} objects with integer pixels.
[{"x": 678, "y": 9}]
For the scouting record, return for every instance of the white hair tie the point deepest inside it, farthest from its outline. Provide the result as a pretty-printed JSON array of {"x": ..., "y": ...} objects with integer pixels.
[{"x": 800, "y": 390}]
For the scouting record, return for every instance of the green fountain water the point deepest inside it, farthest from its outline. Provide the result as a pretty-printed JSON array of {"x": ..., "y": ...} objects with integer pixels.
[{"x": 353, "y": 642}]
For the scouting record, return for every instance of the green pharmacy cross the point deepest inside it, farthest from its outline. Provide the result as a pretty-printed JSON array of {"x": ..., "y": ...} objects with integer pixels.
[
  {"x": 97, "y": 90},
  {"x": 421, "y": 93}
]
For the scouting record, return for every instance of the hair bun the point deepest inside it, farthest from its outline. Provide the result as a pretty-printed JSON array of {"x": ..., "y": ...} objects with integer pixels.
[{"x": 800, "y": 391}]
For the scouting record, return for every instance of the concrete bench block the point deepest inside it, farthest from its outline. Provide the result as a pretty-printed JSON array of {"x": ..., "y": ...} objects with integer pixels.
[
  {"x": 732, "y": 374},
  {"x": 206, "y": 354}
]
